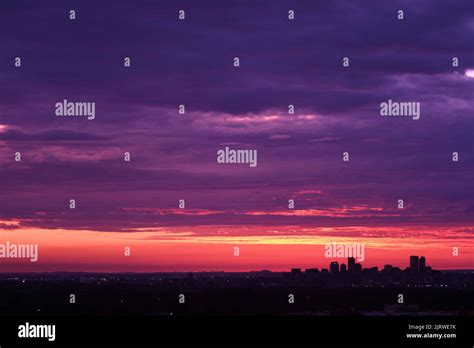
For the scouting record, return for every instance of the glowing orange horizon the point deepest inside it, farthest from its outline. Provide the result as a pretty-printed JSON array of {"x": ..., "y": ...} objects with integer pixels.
[{"x": 186, "y": 249}]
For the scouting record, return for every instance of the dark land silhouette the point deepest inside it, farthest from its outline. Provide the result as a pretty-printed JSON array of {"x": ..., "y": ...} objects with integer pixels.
[{"x": 338, "y": 290}]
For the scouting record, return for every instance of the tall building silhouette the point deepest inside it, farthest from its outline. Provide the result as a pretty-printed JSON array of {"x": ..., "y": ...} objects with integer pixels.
[
  {"x": 334, "y": 267},
  {"x": 422, "y": 265},
  {"x": 350, "y": 264},
  {"x": 414, "y": 264}
]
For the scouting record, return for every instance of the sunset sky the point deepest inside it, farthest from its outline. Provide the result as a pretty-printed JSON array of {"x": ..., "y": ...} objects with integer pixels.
[{"x": 173, "y": 156}]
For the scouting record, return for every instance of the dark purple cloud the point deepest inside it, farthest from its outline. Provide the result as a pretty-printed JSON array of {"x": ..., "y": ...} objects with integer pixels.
[{"x": 190, "y": 62}]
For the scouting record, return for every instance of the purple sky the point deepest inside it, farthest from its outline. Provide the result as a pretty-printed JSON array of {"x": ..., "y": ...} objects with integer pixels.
[{"x": 282, "y": 62}]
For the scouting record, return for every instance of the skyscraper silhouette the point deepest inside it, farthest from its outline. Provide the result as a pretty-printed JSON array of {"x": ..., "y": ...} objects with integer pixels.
[
  {"x": 414, "y": 264},
  {"x": 350, "y": 264},
  {"x": 422, "y": 265}
]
